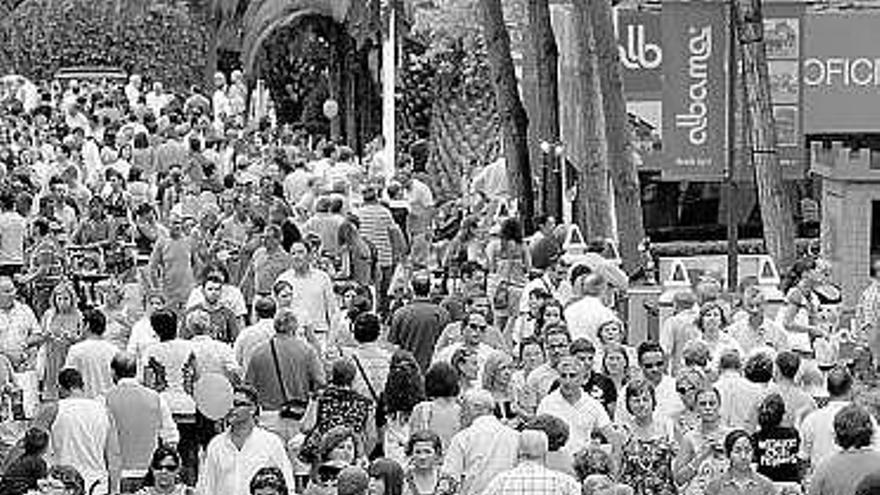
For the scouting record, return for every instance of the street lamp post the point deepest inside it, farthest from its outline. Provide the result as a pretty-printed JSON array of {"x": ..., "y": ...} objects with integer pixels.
[{"x": 552, "y": 153}]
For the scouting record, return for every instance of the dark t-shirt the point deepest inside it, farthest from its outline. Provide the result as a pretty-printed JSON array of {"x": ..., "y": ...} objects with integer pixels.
[
  {"x": 599, "y": 387},
  {"x": 776, "y": 453},
  {"x": 416, "y": 328}
]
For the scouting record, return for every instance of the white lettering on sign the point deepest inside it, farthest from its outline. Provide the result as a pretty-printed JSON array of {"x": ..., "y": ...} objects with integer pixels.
[
  {"x": 697, "y": 118},
  {"x": 638, "y": 54},
  {"x": 841, "y": 71}
]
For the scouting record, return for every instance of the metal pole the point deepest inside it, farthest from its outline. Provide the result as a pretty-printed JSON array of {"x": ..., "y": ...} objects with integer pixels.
[{"x": 730, "y": 175}]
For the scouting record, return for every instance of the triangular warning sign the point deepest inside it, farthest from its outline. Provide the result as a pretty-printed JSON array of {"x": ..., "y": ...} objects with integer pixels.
[
  {"x": 678, "y": 274},
  {"x": 502, "y": 210},
  {"x": 574, "y": 241},
  {"x": 767, "y": 273}
]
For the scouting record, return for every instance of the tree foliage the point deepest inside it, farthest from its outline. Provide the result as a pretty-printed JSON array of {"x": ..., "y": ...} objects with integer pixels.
[
  {"x": 155, "y": 38},
  {"x": 446, "y": 94}
]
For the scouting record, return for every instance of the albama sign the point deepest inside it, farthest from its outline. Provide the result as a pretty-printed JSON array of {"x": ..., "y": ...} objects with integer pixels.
[
  {"x": 641, "y": 55},
  {"x": 694, "y": 93},
  {"x": 841, "y": 73}
]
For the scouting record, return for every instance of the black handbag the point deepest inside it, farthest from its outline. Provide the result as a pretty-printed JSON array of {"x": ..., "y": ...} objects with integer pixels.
[{"x": 294, "y": 408}]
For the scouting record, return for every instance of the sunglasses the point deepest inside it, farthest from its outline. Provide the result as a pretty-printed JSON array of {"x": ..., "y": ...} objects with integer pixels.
[
  {"x": 166, "y": 467},
  {"x": 242, "y": 403},
  {"x": 649, "y": 366}
]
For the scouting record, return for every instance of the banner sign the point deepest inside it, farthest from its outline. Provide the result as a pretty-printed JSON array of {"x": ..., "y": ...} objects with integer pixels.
[
  {"x": 641, "y": 54},
  {"x": 841, "y": 73},
  {"x": 694, "y": 89}
]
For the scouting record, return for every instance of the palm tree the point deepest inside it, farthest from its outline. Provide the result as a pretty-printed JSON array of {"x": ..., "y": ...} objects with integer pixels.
[{"x": 221, "y": 16}]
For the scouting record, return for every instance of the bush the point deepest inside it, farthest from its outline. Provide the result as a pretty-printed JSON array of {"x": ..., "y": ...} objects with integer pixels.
[{"x": 154, "y": 39}]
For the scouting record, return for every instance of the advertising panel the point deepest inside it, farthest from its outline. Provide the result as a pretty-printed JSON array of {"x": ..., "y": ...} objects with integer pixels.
[
  {"x": 694, "y": 89},
  {"x": 641, "y": 56},
  {"x": 841, "y": 73}
]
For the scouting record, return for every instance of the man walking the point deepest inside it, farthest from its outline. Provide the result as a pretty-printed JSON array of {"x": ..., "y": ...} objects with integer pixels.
[
  {"x": 417, "y": 326},
  {"x": 83, "y": 435},
  {"x": 531, "y": 476},
  {"x": 481, "y": 451},
  {"x": 142, "y": 417},
  {"x": 281, "y": 370},
  {"x": 92, "y": 356},
  {"x": 234, "y": 456}
]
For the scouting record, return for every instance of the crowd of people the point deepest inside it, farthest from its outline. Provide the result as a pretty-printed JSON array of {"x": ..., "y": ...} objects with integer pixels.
[{"x": 197, "y": 299}]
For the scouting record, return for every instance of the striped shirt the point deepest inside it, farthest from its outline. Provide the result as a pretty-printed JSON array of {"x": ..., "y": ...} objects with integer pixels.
[{"x": 375, "y": 226}]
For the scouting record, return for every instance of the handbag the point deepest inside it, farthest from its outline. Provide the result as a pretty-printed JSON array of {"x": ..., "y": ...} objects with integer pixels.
[{"x": 290, "y": 408}]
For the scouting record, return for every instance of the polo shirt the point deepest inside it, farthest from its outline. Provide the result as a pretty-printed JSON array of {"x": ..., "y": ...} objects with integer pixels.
[{"x": 582, "y": 417}]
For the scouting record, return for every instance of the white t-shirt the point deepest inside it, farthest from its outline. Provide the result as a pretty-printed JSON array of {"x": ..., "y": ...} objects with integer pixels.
[
  {"x": 79, "y": 438},
  {"x": 585, "y": 316},
  {"x": 92, "y": 358},
  {"x": 582, "y": 417},
  {"x": 12, "y": 228}
]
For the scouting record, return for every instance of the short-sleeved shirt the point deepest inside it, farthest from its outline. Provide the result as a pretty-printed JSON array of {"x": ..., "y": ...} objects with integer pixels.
[
  {"x": 599, "y": 387},
  {"x": 776, "y": 453},
  {"x": 586, "y": 415},
  {"x": 299, "y": 366}
]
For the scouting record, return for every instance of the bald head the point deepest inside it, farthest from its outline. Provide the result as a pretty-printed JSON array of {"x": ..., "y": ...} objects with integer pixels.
[{"x": 533, "y": 445}]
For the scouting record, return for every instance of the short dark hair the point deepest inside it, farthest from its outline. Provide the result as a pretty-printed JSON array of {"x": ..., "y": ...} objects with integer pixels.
[
  {"x": 70, "y": 379},
  {"x": 35, "y": 441},
  {"x": 839, "y": 381},
  {"x": 527, "y": 341},
  {"x": 579, "y": 271},
  {"x": 94, "y": 321},
  {"x": 249, "y": 391},
  {"x": 557, "y": 430},
  {"x": 441, "y": 380},
  {"x": 468, "y": 268},
  {"x": 788, "y": 363},
  {"x": 733, "y": 437},
  {"x": 648, "y": 347},
  {"x": 556, "y": 329},
  {"x": 582, "y": 344},
  {"x": 771, "y": 411},
  {"x": 421, "y": 285},
  {"x": 759, "y": 368},
  {"x": 124, "y": 365},
  {"x": 729, "y": 360},
  {"x": 424, "y": 436},
  {"x": 342, "y": 373},
  {"x": 265, "y": 308},
  {"x": 366, "y": 328},
  {"x": 164, "y": 323},
  {"x": 852, "y": 427}
]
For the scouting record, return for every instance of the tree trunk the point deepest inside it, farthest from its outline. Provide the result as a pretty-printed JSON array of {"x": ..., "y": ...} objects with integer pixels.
[
  {"x": 546, "y": 56},
  {"x": 514, "y": 121},
  {"x": 592, "y": 206},
  {"x": 625, "y": 178},
  {"x": 779, "y": 234},
  {"x": 211, "y": 63}
]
